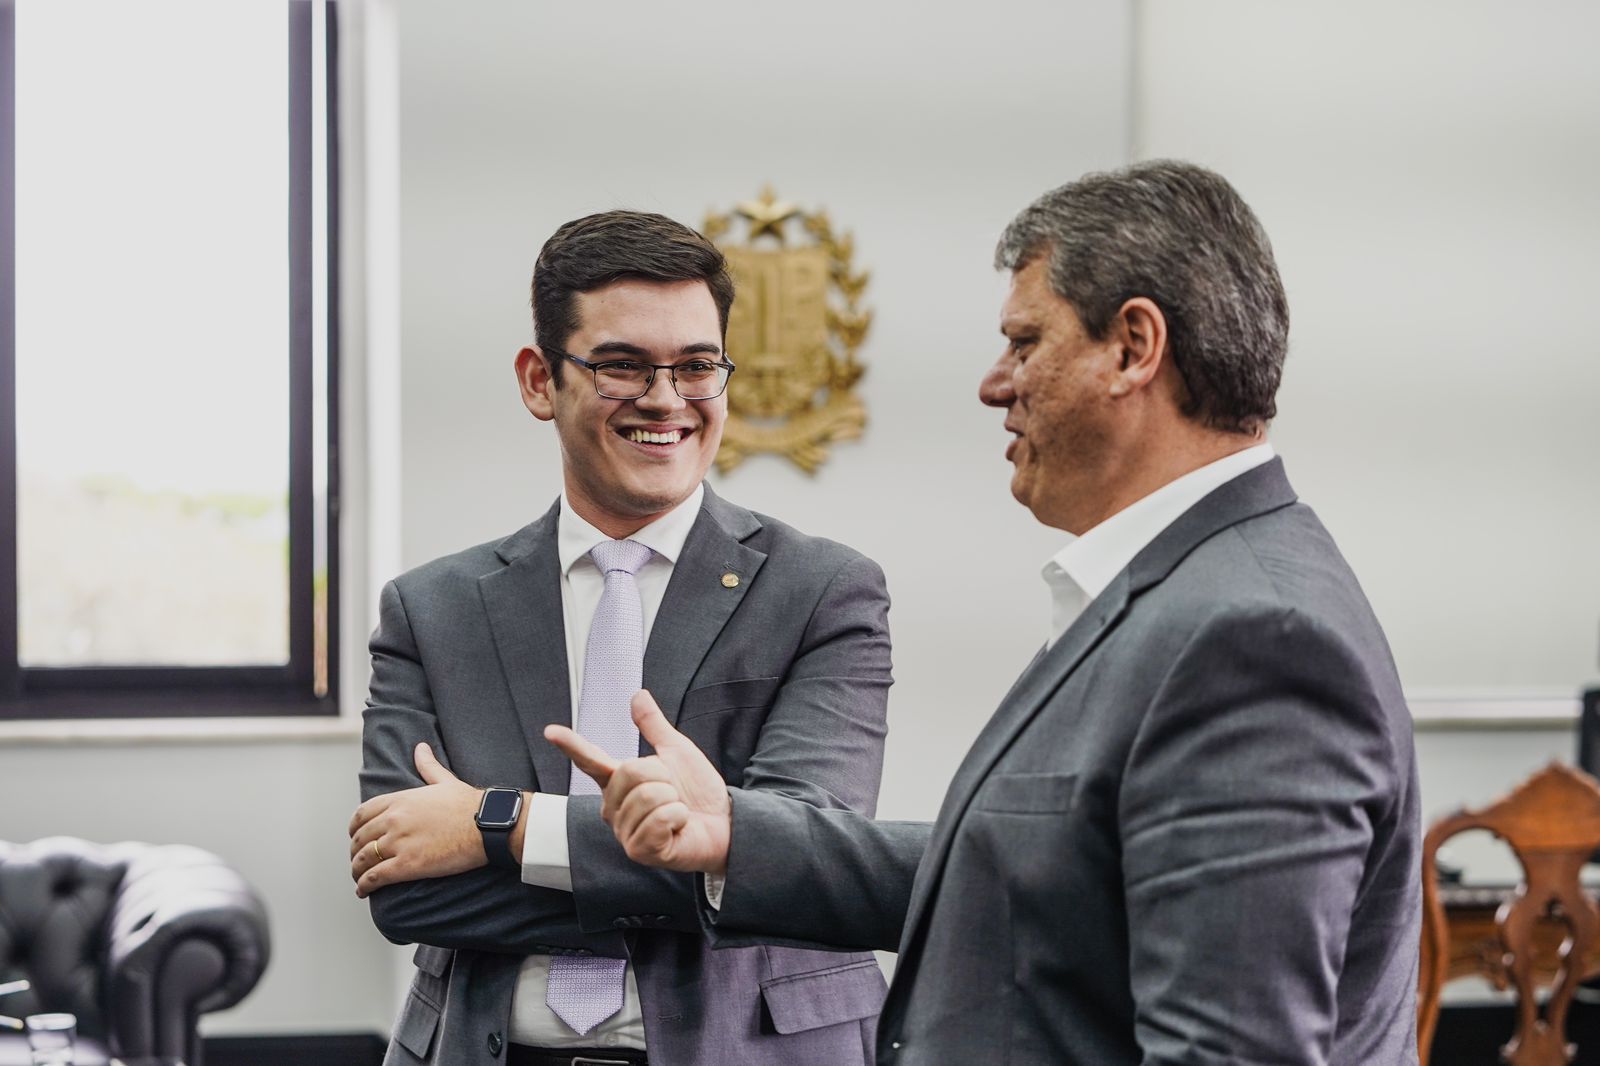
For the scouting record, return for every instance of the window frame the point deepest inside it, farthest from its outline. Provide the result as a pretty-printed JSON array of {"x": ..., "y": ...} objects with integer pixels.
[{"x": 131, "y": 692}]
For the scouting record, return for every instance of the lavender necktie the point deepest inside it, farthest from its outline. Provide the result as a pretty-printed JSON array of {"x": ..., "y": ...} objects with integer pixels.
[{"x": 585, "y": 991}]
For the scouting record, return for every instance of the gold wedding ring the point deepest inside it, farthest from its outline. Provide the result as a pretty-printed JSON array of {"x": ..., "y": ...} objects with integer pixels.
[{"x": 377, "y": 851}]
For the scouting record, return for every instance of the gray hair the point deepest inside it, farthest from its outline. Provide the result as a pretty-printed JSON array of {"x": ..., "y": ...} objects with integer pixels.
[{"x": 1181, "y": 236}]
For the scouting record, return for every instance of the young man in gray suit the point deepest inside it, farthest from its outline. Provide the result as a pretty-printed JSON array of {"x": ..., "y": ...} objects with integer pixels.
[
  {"x": 1189, "y": 834},
  {"x": 541, "y": 943}
]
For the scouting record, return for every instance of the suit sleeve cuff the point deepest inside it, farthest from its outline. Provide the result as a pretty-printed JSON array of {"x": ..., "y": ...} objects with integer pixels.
[{"x": 545, "y": 862}]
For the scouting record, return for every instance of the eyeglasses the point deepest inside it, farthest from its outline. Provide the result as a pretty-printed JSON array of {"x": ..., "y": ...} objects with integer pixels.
[{"x": 629, "y": 379}]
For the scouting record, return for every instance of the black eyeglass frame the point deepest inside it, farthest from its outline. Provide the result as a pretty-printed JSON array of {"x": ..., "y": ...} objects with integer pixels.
[{"x": 671, "y": 369}]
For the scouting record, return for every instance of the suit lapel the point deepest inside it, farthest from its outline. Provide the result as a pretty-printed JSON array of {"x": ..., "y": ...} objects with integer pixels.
[
  {"x": 698, "y": 601},
  {"x": 1026, "y": 698},
  {"x": 523, "y": 603},
  {"x": 1257, "y": 491}
]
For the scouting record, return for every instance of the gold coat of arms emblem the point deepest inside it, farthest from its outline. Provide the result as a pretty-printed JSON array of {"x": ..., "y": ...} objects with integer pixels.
[{"x": 793, "y": 332}]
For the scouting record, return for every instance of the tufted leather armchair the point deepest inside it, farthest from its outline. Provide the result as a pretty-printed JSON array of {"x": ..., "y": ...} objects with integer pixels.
[{"x": 137, "y": 940}]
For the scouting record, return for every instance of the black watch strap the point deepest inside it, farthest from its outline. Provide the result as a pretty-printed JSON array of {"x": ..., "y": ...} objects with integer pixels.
[{"x": 497, "y": 815}]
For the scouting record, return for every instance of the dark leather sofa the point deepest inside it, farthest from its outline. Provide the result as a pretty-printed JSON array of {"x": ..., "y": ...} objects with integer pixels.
[{"x": 137, "y": 940}]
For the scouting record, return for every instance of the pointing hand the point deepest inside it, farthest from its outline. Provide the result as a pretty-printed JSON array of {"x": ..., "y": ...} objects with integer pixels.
[{"x": 669, "y": 809}]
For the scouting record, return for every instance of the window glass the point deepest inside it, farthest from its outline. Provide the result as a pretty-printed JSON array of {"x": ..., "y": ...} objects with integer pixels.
[{"x": 152, "y": 336}]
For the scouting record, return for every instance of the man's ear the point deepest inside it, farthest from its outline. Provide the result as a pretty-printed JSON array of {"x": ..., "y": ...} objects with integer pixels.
[
  {"x": 538, "y": 387},
  {"x": 1140, "y": 332}
]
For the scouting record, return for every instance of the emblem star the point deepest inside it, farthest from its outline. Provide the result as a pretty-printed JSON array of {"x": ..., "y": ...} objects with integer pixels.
[{"x": 767, "y": 214}]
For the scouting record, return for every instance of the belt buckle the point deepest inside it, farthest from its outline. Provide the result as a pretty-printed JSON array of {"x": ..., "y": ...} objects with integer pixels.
[{"x": 585, "y": 1060}]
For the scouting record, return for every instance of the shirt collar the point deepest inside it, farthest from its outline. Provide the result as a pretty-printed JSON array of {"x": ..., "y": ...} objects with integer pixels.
[
  {"x": 575, "y": 537},
  {"x": 1094, "y": 559}
]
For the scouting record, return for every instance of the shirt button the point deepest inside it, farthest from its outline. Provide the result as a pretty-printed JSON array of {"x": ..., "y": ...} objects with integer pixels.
[
  {"x": 612, "y": 1040},
  {"x": 495, "y": 1044}
]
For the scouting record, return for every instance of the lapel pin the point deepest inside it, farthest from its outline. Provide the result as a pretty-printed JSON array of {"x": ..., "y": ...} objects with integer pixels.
[{"x": 730, "y": 580}]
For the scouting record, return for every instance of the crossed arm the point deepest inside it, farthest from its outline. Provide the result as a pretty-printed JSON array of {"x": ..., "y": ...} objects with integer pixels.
[
  {"x": 427, "y": 831},
  {"x": 433, "y": 885}
]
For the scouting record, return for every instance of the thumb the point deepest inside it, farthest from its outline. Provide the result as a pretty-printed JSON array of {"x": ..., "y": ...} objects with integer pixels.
[
  {"x": 653, "y": 725},
  {"x": 428, "y": 765}
]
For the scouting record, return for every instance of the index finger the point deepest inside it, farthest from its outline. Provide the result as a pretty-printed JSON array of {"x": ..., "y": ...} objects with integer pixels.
[{"x": 585, "y": 755}]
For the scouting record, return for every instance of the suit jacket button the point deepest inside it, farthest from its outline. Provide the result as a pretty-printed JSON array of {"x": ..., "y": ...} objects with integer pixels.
[{"x": 495, "y": 1044}]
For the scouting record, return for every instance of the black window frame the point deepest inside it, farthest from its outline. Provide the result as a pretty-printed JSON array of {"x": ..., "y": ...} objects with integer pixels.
[{"x": 297, "y": 688}]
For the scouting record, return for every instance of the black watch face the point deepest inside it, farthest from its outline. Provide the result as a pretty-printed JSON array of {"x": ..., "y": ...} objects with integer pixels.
[{"x": 499, "y": 808}]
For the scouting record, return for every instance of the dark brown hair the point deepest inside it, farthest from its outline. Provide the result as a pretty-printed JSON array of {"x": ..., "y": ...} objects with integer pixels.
[{"x": 594, "y": 251}]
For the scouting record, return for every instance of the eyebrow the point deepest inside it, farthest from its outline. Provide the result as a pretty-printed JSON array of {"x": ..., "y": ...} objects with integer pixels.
[{"x": 636, "y": 352}]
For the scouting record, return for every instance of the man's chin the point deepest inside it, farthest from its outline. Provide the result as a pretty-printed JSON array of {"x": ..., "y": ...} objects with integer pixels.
[
  {"x": 647, "y": 501},
  {"x": 1040, "y": 505}
]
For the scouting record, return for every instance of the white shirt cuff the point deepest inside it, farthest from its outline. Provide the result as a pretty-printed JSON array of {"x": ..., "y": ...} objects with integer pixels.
[
  {"x": 544, "y": 843},
  {"x": 714, "y": 885}
]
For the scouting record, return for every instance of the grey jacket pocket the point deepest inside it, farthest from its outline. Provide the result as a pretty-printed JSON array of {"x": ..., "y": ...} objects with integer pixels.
[
  {"x": 414, "y": 1029},
  {"x": 728, "y": 696},
  {"x": 1026, "y": 793},
  {"x": 432, "y": 960},
  {"x": 824, "y": 997}
]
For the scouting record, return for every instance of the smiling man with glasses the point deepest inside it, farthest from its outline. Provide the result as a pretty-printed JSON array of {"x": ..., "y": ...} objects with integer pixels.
[{"x": 541, "y": 943}]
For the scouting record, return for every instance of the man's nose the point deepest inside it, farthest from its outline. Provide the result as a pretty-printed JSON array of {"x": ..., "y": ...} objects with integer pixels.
[
  {"x": 996, "y": 388},
  {"x": 661, "y": 396}
]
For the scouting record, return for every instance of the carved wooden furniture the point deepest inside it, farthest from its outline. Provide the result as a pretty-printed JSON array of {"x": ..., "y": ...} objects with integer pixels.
[
  {"x": 1475, "y": 949},
  {"x": 1552, "y": 823}
]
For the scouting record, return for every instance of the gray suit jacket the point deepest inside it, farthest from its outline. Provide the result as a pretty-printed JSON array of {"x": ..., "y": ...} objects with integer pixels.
[
  {"x": 782, "y": 680},
  {"x": 1188, "y": 835}
]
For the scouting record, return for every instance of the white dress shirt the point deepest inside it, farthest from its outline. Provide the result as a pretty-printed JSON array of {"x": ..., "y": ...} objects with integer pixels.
[
  {"x": 545, "y": 861},
  {"x": 1081, "y": 571}
]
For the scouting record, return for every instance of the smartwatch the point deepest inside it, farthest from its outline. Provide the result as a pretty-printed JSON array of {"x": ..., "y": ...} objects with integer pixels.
[{"x": 497, "y": 816}]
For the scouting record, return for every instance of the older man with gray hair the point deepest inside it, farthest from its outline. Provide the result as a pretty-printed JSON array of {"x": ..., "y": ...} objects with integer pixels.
[{"x": 1189, "y": 834}]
